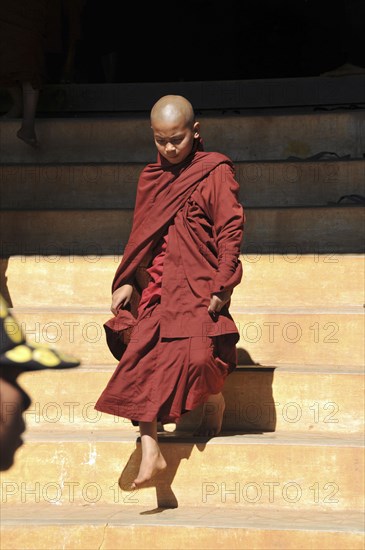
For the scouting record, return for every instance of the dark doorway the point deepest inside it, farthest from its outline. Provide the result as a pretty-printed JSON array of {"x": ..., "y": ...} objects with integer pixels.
[{"x": 204, "y": 40}]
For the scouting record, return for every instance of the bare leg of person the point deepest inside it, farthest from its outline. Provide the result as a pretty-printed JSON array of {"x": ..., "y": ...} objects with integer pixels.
[
  {"x": 212, "y": 417},
  {"x": 16, "y": 109},
  {"x": 152, "y": 461},
  {"x": 30, "y": 102}
]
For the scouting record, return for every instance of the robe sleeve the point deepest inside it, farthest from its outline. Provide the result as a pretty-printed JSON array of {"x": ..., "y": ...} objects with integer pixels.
[{"x": 227, "y": 215}]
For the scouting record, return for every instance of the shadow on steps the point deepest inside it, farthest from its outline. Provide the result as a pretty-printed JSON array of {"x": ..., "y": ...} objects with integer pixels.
[{"x": 251, "y": 409}]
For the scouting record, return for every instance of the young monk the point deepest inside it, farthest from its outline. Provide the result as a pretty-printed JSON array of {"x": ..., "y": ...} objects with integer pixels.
[{"x": 172, "y": 331}]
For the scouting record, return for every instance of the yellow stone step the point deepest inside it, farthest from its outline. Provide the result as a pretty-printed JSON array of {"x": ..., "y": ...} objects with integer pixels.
[
  {"x": 319, "y": 336},
  {"x": 91, "y": 527},
  {"x": 293, "y": 398},
  {"x": 296, "y": 279},
  {"x": 113, "y": 185},
  {"x": 302, "y": 335},
  {"x": 302, "y": 230},
  {"x": 268, "y": 280},
  {"x": 251, "y": 471}
]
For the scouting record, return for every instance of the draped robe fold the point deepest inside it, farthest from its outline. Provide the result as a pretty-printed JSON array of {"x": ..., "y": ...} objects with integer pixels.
[{"x": 184, "y": 246}]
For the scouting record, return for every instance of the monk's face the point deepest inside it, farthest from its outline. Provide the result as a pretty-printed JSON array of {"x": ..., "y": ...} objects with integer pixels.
[
  {"x": 174, "y": 138},
  {"x": 13, "y": 402}
]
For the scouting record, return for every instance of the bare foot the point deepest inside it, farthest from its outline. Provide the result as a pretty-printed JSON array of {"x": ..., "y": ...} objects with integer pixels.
[
  {"x": 28, "y": 137},
  {"x": 211, "y": 423},
  {"x": 151, "y": 465}
]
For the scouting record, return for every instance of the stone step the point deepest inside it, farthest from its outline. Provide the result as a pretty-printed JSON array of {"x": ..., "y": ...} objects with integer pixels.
[
  {"x": 252, "y": 137},
  {"x": 265, "y": 468},
  {"x": 226, "y": 94},
  {"x": 300, "y": 398},
  {"x": 284, "y": 336},
  {"x": 113, "y": 185},
  {"x": 310, "y": 280},
  {"x": 110, "y": 527},
  {"x": 331, "y": 229}
]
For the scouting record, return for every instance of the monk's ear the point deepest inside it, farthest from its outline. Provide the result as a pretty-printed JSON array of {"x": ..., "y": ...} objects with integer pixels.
[{"x": 196, "y": 129}]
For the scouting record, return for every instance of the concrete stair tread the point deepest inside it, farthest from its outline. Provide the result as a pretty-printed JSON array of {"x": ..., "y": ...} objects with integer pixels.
[
  {"x": 198, "y": 516},
  {"x": 257, "y": 309},
  {"x": 143, "y": 528},
  {"x": 257, "y": 367},
  {"x": 282, "y": 111},
  {"x": 42, "y": 167},
  {"x": 303, "y": 368},
  {"x": 127, "y": 434},
  {"x": 278, "y": 208}
]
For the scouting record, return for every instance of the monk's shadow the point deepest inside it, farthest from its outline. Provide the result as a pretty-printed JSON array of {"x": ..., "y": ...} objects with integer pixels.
[
  {"x": 250, "y": 402},
  {"x": 250, "y": 405},
  {"x": 250, "y": 409}
]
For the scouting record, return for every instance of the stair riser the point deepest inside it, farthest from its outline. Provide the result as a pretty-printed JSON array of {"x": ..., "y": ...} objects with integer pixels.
[
  {"x": 217, "y": 95},
  {"x": 114, "y": 185},
  {"x": 267, "y": 475},
  {"x": 255, "y": 401},
  {"x": 265, "y": 338},
  {"x": 174, "y": 537},
  {"x": 316, "y": 338},
  {"x": 212, "y": 94},
  {"x": 310, "y": 280},
  {"x": 105, "y": 232},
  {"x": 241, "y": 137}
]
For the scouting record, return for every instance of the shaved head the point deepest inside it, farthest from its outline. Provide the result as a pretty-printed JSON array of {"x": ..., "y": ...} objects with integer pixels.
[
  {"x": 173, "y": 109},
  {"x": 174, "y": 127}
]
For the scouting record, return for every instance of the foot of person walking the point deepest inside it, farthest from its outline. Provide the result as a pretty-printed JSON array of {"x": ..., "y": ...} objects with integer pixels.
[
  {"x": 151, "y": 465},
  {"x": 213, "y": 410},
  {"x": 28, "y": 137}
]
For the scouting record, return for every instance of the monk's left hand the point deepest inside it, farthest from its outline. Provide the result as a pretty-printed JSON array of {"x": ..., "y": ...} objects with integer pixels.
[{"x": 217, "y": 301}]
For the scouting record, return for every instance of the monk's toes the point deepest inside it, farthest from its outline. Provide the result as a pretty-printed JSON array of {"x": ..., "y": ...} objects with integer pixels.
[
  {"x": 138, "y": 483},
  {"x": 28, "y": 139}
]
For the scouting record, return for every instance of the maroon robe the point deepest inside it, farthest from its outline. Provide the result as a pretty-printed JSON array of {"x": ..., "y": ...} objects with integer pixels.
[{"x": 173, "y": 351}]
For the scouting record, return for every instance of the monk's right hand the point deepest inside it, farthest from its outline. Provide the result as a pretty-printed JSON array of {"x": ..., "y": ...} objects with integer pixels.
[{"x": 121, "y": 297}]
